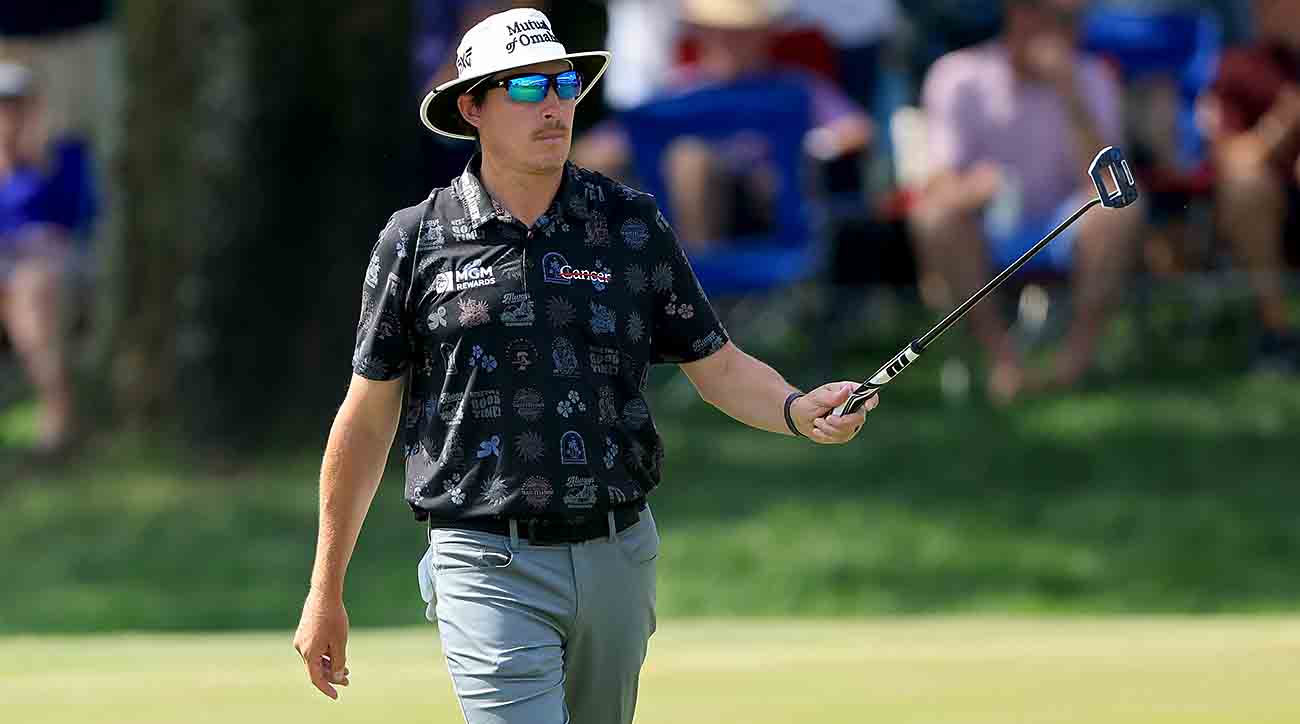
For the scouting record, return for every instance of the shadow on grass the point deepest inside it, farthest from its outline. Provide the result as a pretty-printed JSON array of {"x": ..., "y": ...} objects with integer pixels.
[{"x": 1164, "y": 492}]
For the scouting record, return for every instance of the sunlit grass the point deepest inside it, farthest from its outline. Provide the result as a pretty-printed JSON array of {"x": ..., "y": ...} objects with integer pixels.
[{"x": 900, "y": 671}]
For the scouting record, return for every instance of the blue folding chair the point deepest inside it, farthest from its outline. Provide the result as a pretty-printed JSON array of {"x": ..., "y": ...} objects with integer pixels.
[
  {"x": 775, "y": 107},
  {"x": 1185, "y": 45}
]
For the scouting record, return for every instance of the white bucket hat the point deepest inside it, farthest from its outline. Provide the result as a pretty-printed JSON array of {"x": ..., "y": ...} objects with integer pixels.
[{"x": 510, "y": 39}]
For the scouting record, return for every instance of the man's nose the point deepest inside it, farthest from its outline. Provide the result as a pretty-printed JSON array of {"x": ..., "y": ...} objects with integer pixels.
[{"x": 551, "y": 103}]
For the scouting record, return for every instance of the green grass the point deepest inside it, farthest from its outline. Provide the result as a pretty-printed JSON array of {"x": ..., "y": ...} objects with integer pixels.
[
  {"x": 17, "y": 425},
  {"x": 1169, "y": 489},
  {"x": 914, "y": 671}
]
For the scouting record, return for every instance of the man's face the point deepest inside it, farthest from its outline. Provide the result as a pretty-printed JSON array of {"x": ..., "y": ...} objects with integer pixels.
[
  {"x": 1058, "y": 19},
  {"x": 532, "y": 136},
  {"x": 1032, "y": 24}
]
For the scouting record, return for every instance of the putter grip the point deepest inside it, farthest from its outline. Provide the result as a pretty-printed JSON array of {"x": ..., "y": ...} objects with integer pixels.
[{"x": 882, "y": 377}]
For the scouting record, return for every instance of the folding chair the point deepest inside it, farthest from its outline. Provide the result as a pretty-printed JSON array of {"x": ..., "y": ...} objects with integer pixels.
[
  {"x": 1183, "y": 47},
  {"x": 739, "y": 273},
  {"x": 776, "y": 109}
]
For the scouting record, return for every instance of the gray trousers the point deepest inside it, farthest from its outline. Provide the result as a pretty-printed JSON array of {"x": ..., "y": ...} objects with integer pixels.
[{"x": 543, "y": 634}]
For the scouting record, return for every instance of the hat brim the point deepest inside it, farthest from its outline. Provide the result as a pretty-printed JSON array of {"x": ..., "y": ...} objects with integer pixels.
[{"x": 441, "y": 114}]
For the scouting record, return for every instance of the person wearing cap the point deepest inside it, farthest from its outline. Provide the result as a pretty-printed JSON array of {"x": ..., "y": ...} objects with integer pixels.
[
  {"x": 45, "y": 197},
  {"x": 518, "y": 311}
]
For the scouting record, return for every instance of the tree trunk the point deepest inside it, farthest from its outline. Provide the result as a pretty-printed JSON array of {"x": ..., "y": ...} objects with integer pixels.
[{"x": 265, "y": 146}]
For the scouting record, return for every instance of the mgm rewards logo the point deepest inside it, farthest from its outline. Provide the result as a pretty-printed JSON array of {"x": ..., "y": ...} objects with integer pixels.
[{"x": 471, "y": 276}]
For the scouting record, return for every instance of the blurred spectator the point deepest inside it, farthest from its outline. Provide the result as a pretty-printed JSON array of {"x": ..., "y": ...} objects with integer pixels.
[
  {"x": 643, "y": 35},
  {"x": 44, "y": 200},
  {"x": 936, "y": 27},
  {"x": 1013, "y": 124},
  {"x": 858, "y": 31},
  {"x": 69, "y": 47},
  {"x": 1252, "y": 115},
  {"x": 726, "y": 190}
]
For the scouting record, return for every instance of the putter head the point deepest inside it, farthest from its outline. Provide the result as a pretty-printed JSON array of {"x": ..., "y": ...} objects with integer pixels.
[{"x": 1126, "y": 188}]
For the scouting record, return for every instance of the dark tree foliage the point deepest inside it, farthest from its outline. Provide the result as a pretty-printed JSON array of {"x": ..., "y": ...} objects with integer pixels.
[{"x": 266, "y": 145}]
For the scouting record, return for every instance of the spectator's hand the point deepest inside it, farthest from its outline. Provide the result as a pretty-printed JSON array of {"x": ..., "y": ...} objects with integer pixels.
[
  {"x": 842, "y": 137},
  {"x": 322, "y": 640},
  {"x": 961, "y": 192},
  {"x": 810, "y": 414},
  {"x": 1248, "y": 154},
  {"x": 982, "y": 183},
  {"x": 1283, "y": 118},
  {"x": 1051, "y": 58}
]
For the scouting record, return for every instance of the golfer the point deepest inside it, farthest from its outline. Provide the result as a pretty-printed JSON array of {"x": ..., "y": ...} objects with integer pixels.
[{"x": 519, "y": 310}]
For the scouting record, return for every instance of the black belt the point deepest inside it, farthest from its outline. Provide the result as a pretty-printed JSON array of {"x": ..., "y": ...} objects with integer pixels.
[{"x": 543, "y": 531}]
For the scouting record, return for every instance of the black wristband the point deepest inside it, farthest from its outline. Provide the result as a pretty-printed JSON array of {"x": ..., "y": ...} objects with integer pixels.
[{"x": 789, "y": 422}]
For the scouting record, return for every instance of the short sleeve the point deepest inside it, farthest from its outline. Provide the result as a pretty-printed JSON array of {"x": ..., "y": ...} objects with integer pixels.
[
  {"x": 383, "y": 348},
  {"x": 948, "y": 114},
  {"x": 686, "y": 328}
]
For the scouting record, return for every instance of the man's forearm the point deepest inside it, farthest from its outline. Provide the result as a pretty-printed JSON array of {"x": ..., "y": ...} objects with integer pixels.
[
  {"x": 350, "y": 472},
  {"x": 751, "y": 392}
]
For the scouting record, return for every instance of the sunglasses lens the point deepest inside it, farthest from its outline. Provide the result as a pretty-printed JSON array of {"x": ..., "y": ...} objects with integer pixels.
[
  {"x": 568, "y": 84},
  {"x": 528, "y": 88}
]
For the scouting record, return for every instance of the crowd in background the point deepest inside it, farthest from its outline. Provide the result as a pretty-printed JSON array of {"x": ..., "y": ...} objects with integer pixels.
[
  {"x": 967, "y": 125},
  {"x": 986, "y": 117},
  {"x": 56, "y": 95}
]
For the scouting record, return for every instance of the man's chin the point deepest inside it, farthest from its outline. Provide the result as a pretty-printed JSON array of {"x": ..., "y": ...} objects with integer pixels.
[{"x": 550, "y": 156}]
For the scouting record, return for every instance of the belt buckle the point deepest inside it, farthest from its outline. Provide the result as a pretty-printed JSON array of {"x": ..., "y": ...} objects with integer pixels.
[{"x": 540, "y": 533}]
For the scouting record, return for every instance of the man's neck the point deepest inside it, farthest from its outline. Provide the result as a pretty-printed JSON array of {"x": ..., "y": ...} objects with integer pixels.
[{"x": 525, "y": 195}]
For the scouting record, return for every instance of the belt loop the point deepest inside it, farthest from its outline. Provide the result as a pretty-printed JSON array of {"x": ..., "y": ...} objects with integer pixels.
[
  {"x": 514, "y": 534},
  {"x": 613, "y": 530}
]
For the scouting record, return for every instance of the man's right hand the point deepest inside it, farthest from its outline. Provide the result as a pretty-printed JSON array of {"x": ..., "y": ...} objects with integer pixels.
[{"x": 322, "y": 640}]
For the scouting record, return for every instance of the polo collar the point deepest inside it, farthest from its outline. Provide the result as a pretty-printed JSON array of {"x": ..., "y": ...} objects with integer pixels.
[{"x": 480, "y": 207}]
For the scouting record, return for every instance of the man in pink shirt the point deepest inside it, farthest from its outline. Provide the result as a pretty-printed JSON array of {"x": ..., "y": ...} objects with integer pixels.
[{"x": 1012, "y": 126}]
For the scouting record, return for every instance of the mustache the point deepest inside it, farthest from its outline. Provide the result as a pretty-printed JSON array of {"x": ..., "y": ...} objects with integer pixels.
[{"x": 551, "y": 127}]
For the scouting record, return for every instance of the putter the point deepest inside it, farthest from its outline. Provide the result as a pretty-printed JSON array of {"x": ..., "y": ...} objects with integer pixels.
[{"x": 1125, "y": 194}]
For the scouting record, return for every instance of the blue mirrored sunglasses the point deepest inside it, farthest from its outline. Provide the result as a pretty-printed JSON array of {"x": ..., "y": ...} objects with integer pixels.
[{"x": 533, "y": 87}]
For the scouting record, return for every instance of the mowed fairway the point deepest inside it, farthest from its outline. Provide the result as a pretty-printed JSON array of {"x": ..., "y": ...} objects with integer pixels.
[{"x": 1106, "y": 670}]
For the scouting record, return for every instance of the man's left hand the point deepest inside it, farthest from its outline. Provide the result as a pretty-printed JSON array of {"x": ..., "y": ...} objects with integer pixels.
[{"x": 810, "y": 414}]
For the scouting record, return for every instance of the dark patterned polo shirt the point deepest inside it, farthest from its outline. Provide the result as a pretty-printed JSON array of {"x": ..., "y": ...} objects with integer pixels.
[{"x": 528, "y": 348}]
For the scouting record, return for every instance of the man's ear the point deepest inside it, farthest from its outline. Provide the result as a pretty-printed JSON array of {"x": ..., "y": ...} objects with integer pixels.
[{"x": 469, "y": 110}]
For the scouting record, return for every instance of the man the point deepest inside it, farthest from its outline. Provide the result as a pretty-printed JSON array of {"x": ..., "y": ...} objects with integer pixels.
[
  {"x": 45, "y": 196},
  {"x": 724, "y": 190},
  {"x": 1013, "y": 125},
  {"x": 1253, "y": 119},
  {"x": 525, "y": 304}
]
